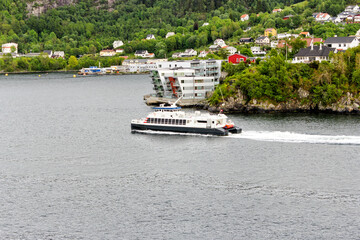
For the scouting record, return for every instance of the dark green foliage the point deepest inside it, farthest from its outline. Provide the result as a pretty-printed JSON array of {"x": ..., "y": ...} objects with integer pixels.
[{"x": 279, "y": 81}]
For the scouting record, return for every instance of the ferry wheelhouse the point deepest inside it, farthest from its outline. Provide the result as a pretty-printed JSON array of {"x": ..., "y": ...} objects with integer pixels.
[{"x": 172, "y": 118}]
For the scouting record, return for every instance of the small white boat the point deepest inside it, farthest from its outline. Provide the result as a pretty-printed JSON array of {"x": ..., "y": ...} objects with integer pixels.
[{"x": 171, "y": 118}]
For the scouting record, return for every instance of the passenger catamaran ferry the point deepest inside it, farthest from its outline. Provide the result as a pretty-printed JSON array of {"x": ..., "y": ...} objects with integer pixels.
[{"x": 171, "y": 118}]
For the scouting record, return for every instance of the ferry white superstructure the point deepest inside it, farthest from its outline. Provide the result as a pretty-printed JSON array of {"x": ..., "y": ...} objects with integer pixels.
[{"x": 171, "y": 118}]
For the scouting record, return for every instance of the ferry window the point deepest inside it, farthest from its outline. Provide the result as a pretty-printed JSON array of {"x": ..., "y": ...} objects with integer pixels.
[
  {"x": 177, "y": 121},
  {"x": 162, "y": 121},
  {"x": 166, "y": 121},
  {"x": 182, "y": 81},
  {"x": 201, "y": 121}
]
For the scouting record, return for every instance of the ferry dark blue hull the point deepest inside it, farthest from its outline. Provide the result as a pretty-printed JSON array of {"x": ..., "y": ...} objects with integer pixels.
[{"x": 207, "y": 131}]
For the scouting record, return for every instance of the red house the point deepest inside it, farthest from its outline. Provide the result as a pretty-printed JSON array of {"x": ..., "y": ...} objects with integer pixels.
[{"x": 238, "y": 58}]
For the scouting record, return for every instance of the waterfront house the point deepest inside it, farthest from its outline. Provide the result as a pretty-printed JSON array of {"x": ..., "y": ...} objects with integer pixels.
[
  {"x": 313, "y": 53},
  {"x": 59, "y": 54},
  {"x": 205, "y": 24},
  {"x": 352, "y": 8},
  {"x": 322, "y": 17},
  {"x": 238, "y": 58},
  {"x": 357, "y": 18},
  {"x": 244, "y": 17},
  {"x": 221, "y": 43},
  {"x": 150, "y": 36},
  {"x": 214, "y": 48},
  {"x": 287, "y": 17},
  {"x": 169, "y": 34},
  {"x": 188, "y": 53},
  {"x": 117, "y": 44},
  {"x": 107, "y": 53},
  {"x": 231, "y": 50},
  {"x": 246, "y": 40},
  {"x": 283, "y": 35},
  {"x": 144, "y": 54},
  {"x": 9, "y": 48},
  {"x": 277, "y": 10},
  {"x": 263, "y": 40},
  {"x": 305, "y": 34},
  {"x": 257, "y": 51},
  {"x": 48, "y": 53},
  {"x": 341, "y": 43},
  {"x": 119, "y": 50},
  {"x": 270, "y": 32},
  {"x": 176, "y": 55},
  {"x": 203, "y": 54}
]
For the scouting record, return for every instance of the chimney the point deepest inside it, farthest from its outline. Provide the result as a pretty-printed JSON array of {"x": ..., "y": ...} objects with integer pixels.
[
  {"x": 312, "y": 46},
  {"x": 320, "y": 47},
  {"x": 335, "y": 35}
]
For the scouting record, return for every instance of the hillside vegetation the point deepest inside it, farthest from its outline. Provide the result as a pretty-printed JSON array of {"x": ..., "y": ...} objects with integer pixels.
[{"x": 85, "y": 26}]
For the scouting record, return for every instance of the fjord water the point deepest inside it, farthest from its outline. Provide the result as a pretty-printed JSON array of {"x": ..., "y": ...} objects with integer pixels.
[{"x": 71, "y": 169}]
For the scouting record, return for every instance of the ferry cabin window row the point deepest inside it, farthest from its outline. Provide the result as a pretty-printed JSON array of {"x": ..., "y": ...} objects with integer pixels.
[{"x": 167, "y": 121}]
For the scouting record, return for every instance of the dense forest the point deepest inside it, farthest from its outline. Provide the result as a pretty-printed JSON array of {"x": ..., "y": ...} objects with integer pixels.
[{"x": 85, "y": 27}]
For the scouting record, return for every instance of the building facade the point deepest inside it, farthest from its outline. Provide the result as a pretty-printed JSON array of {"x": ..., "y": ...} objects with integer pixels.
[{"x": 189, "y": 79}]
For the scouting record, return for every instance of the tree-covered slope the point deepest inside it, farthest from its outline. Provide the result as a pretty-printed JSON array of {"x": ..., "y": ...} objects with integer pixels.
[{"x": 86, "y": 26}]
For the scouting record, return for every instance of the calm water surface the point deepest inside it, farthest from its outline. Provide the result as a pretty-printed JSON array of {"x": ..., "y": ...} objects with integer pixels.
[{"x": 71, "y": 169}]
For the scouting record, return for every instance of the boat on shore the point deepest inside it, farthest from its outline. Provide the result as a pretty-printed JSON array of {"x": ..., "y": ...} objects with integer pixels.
[{"x": 173, "y": 119}]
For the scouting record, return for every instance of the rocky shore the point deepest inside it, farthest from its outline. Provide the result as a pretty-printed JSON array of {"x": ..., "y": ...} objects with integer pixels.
[{"x": 348, "y": 104}]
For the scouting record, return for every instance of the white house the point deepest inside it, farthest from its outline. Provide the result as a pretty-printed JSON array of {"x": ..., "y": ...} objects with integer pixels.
[
  {"x": 9, "y": 48},
  {"x": 117, "y": 44},
  {"x": 150, "y": 36},
  {"x": 263, "y": 40},
  {"x": 119, "y": 50},
  {"x": 203, "y": 54},
  {"x": 341, "y": 43},
  {"x": 352, "y": 8},
  {"x": 144, "y": 54},
  {"x": 107, "y": 53},
  {"x": 231, "y": 50},
  {"x": 188, "y": 53},
  {"x": 283, "y": 35},
  {"x": 322, "y": 17},
  {"x": 277, "y": 10},
  {"x": 244, "y": 17},
  {"x": 273, "y": 44},
  {"x": 313, "y": 53},
  {"x": 205, "y": 24},
  {"x": 169, "y": 34},
  {"x": 220, "y": 42},
  {"x": 59, "y": 54},
  {"x": 257, "y": 51}
]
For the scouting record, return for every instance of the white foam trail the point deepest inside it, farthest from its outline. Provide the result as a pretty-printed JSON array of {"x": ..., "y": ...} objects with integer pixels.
[{"x": 277, "y": 136}]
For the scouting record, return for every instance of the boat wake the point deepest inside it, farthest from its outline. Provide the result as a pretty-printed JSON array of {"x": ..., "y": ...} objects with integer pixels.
[
  {"x": 275, "y": 136},
  {"x": 292, "y": 137}
]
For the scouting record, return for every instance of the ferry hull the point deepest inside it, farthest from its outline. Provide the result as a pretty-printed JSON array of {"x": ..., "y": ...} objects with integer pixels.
[{"x": 208, "y": 131}]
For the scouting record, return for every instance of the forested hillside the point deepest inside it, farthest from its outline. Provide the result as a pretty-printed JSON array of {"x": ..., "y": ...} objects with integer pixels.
[{"x": 85, "y": 26}]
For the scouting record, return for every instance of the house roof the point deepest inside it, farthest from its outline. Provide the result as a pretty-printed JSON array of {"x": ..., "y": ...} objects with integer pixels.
[
  {"x": 261, "y": 38},
  {"x": 322, "y": 15},
  {"x": 315, "y": 52},
  {"x": 269, "y": 29},
  {"x": 244, "y": 15},
  {"x": 313, "y": 40},
  {"x": 305, "y": 33},
  {"x": 141, "y": 52},
  {"x": 339, "y": 39},
  {"x": 246, "y": 39}
]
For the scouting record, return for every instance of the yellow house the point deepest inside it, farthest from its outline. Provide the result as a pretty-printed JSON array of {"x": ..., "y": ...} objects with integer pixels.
[{"x": 269, "y": 31}]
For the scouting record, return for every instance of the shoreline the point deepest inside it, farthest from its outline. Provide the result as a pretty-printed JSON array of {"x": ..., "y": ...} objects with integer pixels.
[{"x": 71, "y": 71}]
